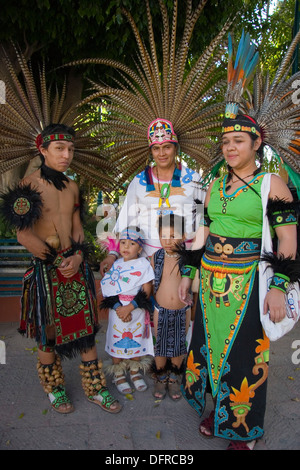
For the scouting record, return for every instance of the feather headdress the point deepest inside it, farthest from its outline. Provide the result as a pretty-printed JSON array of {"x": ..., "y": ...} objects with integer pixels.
[
  {"x": 187, "y": 96},
  {"x": 276, "y": 108},
  {"x": 273, "y": 109},
  {"x": 29, "y": 108}
]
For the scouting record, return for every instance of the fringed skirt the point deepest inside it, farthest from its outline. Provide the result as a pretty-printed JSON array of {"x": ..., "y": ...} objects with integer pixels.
[{"x": 67, "y": 304}]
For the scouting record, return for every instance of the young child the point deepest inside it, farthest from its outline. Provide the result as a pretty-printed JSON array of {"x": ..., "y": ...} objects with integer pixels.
[
  {"x": 126, "y": 288},
  {"x": 171, "y": 316}
]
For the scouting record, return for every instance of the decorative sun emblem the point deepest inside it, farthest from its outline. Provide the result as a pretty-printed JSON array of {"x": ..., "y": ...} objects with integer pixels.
[
  {"x": 21, "y": 206},
  {"x": 116, "y": 274}
]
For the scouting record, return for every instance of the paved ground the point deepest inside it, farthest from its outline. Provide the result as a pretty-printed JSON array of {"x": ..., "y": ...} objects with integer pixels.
[{"x": 27, "y": 422}]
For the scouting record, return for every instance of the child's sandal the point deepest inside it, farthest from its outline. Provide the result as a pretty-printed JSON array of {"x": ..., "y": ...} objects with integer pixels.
[
  {"x": 122, "y": 387},
  {"x": 139, "y": 383},
  {"x": 174, "y": 388},
  {"x": 160, "y": 387}
]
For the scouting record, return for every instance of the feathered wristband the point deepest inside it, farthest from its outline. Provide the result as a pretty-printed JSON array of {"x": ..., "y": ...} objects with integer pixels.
[
  {"x": 139, "y": 301},
  {"x": 285, "y": 270},
  {"x": 189, "y": 260}
]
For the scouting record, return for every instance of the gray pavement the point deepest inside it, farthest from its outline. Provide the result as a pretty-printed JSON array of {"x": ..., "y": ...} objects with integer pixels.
[{"x": 28, "y": 422}]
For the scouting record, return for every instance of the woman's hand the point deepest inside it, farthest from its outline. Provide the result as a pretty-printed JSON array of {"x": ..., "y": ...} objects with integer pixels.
[
  {"x": 106, "y": 264},
  {"x": 184, "y": 290},
  {"x": 274, "y": 304}
]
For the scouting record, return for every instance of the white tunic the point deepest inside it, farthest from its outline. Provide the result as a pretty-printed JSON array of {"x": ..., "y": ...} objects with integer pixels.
[
  {"x": 141, "y": 207},
  {"x": 128, "y": 339}
]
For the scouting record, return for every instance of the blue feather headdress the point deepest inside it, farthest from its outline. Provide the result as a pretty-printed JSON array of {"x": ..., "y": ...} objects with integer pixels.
[{"x": 239, "y": 73}]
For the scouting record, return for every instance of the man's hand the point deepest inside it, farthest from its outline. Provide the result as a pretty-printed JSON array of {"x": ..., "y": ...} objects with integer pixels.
[{"x": 69, "y": 266}]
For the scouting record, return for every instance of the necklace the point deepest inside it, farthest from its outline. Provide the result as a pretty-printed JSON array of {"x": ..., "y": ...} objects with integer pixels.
[
  {"x": 239, "y": 178},
  {"x": 164, "y": 191},
  {"x": 170, "y": 256}
]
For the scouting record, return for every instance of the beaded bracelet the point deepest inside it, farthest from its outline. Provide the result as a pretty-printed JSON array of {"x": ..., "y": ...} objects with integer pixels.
[
  {"x": 115, "y": 253},
  {"x": 79, "y": 252},
  {"x": 280, "y": 282},
  {"x": 189, "y": 271},
  {"x": 58, "y": 260}
]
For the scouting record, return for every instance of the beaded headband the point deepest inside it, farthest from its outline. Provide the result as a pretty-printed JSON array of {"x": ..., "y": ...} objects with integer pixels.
[
  {"x": 132, "y": 234},
  {"x": 40, "y": 140},
  {"x": 161, "y": 131},
  {"x": 241, "y": 123}
]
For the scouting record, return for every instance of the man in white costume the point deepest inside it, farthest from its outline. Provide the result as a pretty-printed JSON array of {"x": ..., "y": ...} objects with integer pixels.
[{"x": 165, "y": 188}]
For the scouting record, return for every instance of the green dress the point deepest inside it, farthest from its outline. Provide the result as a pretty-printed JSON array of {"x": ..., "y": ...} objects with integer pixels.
[{"x": 228, "y": 355}]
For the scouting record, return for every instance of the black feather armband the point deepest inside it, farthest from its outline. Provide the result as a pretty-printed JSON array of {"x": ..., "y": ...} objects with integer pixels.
[
  {"x": 142, "y": 301},
  {"x": 110, "y": 302},
  {"x": 21, "y": 206},
  {"x": 282, "y": 212},
  {"x": 139, "y": 301},
  {"x": 83, "y": 248},
  {"x": 285, "y": 270},
  {"x": 189, "y": 260}
]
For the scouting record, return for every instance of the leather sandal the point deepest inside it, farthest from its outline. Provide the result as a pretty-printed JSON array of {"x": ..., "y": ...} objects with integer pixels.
[
  {"x": 58, "y": 397},
  {"x": 160, "y": 387},
  {"x": 104, "y": 399}
]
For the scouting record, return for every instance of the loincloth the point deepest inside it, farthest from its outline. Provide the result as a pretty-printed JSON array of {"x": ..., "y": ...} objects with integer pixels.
[
  {"x": 171, "y": 332},
  {"x": 67, "y": 304}
]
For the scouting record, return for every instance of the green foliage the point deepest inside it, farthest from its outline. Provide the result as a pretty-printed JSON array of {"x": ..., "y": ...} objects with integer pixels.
[
  {"x": 6, "y": 231},
  {"x": 277, "y": 34},
  {"x": 65, "y": 30}
]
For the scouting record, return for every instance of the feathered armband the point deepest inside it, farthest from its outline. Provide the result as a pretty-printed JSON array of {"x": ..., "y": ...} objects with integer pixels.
[
  {"x": 189, "y": 260},
  {"x": 285, "y": 270},
  {"x": 21, "y": 206},
  {"x": 282, "y": 212},
  {"x": 142, "y": 301},
  {"x": 54, "y": 257},
  {"x": 81, "y": 248},
  {"x": 139, "y": 301}
]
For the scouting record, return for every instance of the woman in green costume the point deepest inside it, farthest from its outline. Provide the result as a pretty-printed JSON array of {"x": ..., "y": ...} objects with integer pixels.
[{"x": 228, "y": 355}]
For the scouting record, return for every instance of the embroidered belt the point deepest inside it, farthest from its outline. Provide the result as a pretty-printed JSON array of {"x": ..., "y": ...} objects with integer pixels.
[{"x": 232, "y": 248}]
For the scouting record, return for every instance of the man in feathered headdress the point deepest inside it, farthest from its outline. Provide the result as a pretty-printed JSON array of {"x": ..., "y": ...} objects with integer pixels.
[
  {"x": 167, "y": 187},
  {"x": 59, "y": 300}
]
